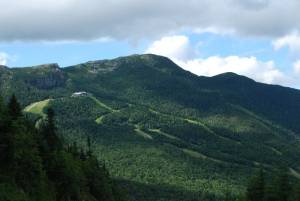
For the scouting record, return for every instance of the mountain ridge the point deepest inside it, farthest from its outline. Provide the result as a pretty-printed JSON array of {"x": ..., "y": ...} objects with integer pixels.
[{"x": 122, "y": 59}]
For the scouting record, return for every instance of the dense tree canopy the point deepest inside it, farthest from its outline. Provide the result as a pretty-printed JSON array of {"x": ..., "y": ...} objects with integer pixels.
[
  {"x": 36, "y": 166},
  {"x": 279, "y": 185}
]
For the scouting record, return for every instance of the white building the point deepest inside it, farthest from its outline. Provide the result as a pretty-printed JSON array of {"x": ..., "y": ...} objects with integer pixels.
[{"x": 80, "y": 93}]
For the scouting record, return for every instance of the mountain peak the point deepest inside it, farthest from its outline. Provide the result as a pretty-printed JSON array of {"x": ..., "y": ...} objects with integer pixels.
[
  {"x": 54, "y": 66},
  {"x": 230, "y": 76},
  {"x": 144, "y": 56},
  {"x": 135, "y": 61}
]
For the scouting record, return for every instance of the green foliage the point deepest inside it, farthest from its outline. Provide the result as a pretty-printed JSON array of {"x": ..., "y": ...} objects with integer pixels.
[
  {"x": 278, "y": 187},
  {"x": 14, "y": 108},
  {"x": 256, "y": 187},
  {"x": 296, "y": 192},
  {"x": 9, "y": 192},
  {"x": 158, "y": 127},
  {"x": 50, "y": 139},
  {"x": 35, "y": 166},
  {"x": 282, "y": 185}
]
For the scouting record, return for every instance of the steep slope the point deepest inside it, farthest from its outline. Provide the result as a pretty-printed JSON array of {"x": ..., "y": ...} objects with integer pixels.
[{"x": 162, "y": 129}]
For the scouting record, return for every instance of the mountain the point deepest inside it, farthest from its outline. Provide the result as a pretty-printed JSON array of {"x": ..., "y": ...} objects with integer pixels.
[{"x": 165, "y": 133}]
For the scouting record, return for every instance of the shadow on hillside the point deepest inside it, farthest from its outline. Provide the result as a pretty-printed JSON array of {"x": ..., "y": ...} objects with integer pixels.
[{"x": 149, "y": 192}]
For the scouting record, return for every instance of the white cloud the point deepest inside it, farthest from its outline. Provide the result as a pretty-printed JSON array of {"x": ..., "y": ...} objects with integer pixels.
[
  {"x": 265, "y": 72},
  {"x": 177, "y": 48},
  {"x": 292, "y": 41},
  {"x": 215, "y": 30},
  {"x": 297, "y": 68},
  {"x": 3, "y": 58},
  {"x": 70, "y": 20}
]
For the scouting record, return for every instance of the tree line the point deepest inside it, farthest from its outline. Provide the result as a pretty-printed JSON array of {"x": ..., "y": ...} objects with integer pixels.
[{"x": 35, "y": 164}]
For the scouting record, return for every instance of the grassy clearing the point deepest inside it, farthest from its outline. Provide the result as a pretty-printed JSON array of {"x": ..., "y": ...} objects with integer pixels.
[
  {"x": 158, "y": 131},
  {"x": 101, "y": 104},
  {"x": 99, "y": 119},
  {"x": 142, "y": 133},
  {"x": 38, "y": 107},
  {"x": 198, "y": 123},
  {"x": 195, "y": 154},
  {"x": 294, "y": 173}
]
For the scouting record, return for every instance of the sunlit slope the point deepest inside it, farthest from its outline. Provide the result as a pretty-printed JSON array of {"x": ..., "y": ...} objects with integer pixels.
[{"x": 37, "y": 107}]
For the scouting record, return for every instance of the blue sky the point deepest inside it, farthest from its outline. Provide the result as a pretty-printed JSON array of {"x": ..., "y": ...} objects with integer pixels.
[
  {"x": 247, "y": 37},
  {"x": 70, "y": 53},
  {"x": 65, "y": 54}
]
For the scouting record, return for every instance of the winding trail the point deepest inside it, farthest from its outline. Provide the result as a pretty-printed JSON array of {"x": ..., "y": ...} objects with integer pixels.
[
  {"x": 142, "y": 133},
  {"x": 198, "y": 123}
]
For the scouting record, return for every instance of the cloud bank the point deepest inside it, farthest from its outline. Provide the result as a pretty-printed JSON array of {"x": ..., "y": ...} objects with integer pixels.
[
  {"x": 291, "y": 41},
  {"x": 3, "y": 58},
  {"x": 297, "y": 67},
  {"x": 262, "y": 71},
  {"x": 47, "y": 20}
]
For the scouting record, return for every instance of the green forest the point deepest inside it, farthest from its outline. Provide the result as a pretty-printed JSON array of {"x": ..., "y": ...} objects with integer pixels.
[
  {"x": 278, "y": 186},
  {"x": 35, "y": 164},
  {"x": 162, "y": 133}
]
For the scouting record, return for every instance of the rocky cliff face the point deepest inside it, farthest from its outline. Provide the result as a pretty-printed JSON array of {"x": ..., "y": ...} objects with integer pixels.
[
  {"x": 50, "y": 81},
  {"x": 48, "y": 76}
]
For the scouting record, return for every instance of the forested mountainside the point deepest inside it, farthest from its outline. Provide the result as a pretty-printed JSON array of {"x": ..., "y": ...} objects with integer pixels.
[
  {"x": 164, "y": 133},
  {"x": 35, "y": 165}
]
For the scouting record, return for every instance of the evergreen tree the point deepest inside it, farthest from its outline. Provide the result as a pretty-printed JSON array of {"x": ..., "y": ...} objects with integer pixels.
[
  {"x": 4, "y": 137},
  {"x": 83, "y": 156},
  {"x": 89, "y": 152},
  {"x": 296, "y": 192},
  {"x": 271, "y": 191},
  {"x": 49, "y": 133},
  {"x": 256, "y": 187},
  {"x": 14, "y": 108},
  {"x": 98, "y": 180},
  {"x": 279, "y": 189},
  {"x": 66, "y": 173},
  {"x": 1, "y": 107},
  {"x": 283, "y": 187}
]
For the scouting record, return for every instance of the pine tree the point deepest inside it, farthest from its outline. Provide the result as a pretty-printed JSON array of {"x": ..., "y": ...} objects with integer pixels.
[
  {"x": 1, "y": 106},
  {"x": 75, "y": 150},
  {"x": 271, "y": 191},
  {"x": 256, "y": 187},
  {"x": 296, "y": 192},
  {"x": 279, "y": 189},
  {"x": 82, "y": 155},
  {"x": 283, "y": 185},
  {"x": 98, "y": 180},
  {"x": 14, "y": 108},
  {"x": 49, "y": 133},
  {"x": 8, "y": 130},
  {"x": 4, "y": 140},
  {"x": 89, "y": 152}
]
